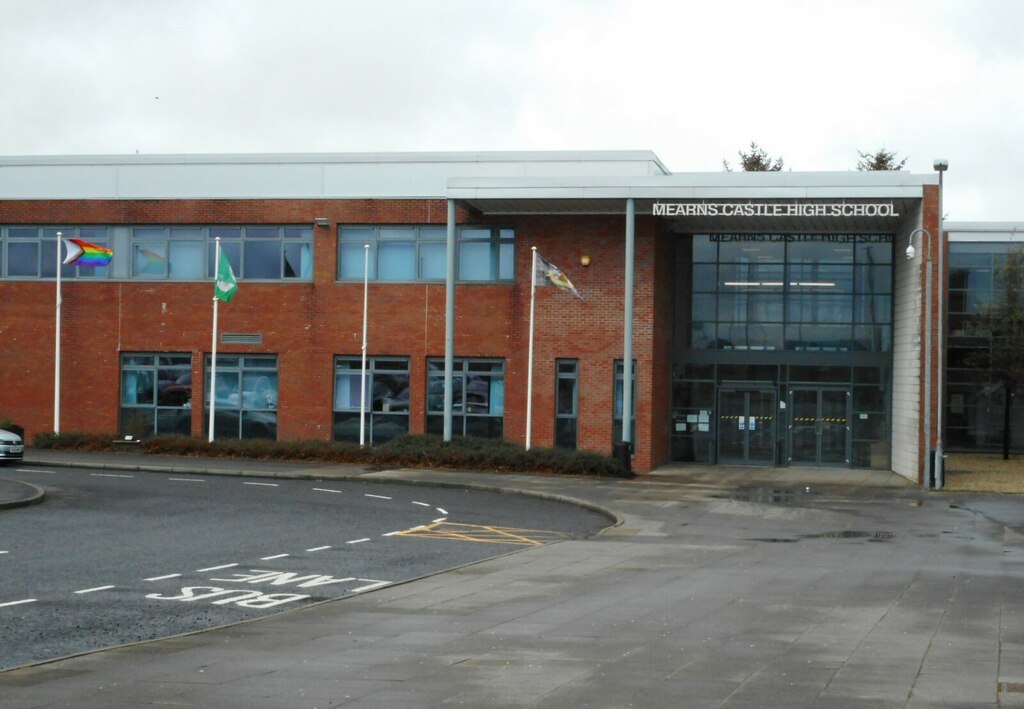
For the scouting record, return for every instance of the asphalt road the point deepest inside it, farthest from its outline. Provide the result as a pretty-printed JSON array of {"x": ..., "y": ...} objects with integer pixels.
[{"x": 116, "y": 557}]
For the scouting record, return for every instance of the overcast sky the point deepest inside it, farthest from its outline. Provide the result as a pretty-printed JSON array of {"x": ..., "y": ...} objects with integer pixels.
[{"x": 812, "y": 82}]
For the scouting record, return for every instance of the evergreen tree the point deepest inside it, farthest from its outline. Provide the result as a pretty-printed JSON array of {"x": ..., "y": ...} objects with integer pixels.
[
  {"x": 757, "y": 160},
  {"x": 881, "y": 160}
]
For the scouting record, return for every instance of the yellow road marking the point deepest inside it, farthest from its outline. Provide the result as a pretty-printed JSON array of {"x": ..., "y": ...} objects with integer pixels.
[{"x": 484, "y": 533}]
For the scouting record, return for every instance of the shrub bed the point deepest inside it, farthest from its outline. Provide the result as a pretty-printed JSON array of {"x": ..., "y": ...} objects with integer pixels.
[{"x": 420, "y": 451}]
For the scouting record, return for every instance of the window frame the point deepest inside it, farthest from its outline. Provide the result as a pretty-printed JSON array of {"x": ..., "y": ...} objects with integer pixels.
[
  {"x": 46, "y": 257},
  {"x": 464, "y": 369},
  {"x": 563, "y": 375},
  {"x": 500, "y": 242},
  {"x": 248, "y": 410},
  {"x": 375, "y": 418},
  {"x": 158, "y": 361}
]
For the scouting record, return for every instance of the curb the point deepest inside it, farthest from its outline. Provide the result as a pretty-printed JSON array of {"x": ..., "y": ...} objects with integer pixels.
[
  {"x": 35, "y": 496},
  {"x": 616, "y": 519}
]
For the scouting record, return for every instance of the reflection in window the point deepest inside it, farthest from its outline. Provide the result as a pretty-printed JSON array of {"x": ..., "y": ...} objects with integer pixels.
[
  {"x": 245, "y": 396},
  {"x": 31, "y": 252},
  {"x": 264, "y": 252},
  {"x": 387, "y": 398},
  {"x": 478, "y": 397},
  {"x": 566, "y": 402},
  {"x": 617, "y": 396},
  {"x": 156, "y": 394},
  {"x": 766, "y": 290},
  {"x": 975, "y": 397},
  {"x": 396, "y": 254},
  {"x": 418, "y": 253}
]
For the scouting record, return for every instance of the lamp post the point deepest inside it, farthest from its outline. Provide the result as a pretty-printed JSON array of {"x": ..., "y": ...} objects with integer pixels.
[
  {"x": 911, "y": 252},
  {"x": 940, "y": 166}
]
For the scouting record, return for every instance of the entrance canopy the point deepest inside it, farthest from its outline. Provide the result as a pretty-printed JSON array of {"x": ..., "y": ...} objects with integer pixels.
[{"x": 763, "y": 202}]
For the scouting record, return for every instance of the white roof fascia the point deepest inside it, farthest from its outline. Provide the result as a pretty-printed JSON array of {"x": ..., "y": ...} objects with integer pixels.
[
  {"x": 302, "y": 176},
  {"x": 985, "y": 231},
  {"x": 807, "y": 185}
]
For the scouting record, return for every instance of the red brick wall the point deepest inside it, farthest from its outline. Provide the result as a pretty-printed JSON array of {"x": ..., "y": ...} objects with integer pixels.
[
  {"x": 307, "y": 324},
  {"x": 930, "y": 221}
]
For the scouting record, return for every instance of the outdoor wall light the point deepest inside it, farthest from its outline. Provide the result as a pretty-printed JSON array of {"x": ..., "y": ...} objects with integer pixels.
[
  {"x": 585, "y": 260},
  {"x": 321, "y": 221}
]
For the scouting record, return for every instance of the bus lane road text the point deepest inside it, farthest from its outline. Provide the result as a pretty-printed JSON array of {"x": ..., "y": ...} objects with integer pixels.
[{"x": 261, "y": 598}]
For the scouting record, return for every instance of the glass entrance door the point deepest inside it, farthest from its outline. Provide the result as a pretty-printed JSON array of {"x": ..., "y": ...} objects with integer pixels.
[
  {"x": 746, "y": 427},
  {"x": 819, "y": 426}
]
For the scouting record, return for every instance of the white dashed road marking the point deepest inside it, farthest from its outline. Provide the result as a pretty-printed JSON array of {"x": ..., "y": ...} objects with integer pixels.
[
  {"x": 215, "y": 568},
  {"x": 370, "y": 584},
  {"x": 18, "y": 603},
  {"x": 369, "y": 587}
]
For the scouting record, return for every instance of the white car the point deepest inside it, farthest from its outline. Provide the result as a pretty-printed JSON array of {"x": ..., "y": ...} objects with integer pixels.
[{"x": 11, "y": 446}]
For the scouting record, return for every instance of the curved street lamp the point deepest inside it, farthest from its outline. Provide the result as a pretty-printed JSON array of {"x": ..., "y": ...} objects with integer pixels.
[{"x": 940, "y": 165}]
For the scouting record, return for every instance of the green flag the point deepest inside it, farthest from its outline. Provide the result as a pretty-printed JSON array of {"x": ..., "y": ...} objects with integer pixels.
[{"x": 225, "y": 285}]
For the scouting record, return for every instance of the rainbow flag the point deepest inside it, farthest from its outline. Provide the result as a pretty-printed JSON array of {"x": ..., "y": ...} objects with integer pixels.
[{"x": 82, "y": 253}]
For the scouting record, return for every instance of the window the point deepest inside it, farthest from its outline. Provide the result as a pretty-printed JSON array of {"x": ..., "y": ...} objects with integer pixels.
[
  {"x": 820, "y": 292},
  {"x": 177, "y": 253},
  {"x": 31, "y": 251},
  {"x": 975, "y": 397},
  {"x": 418, "y": 253},
  {"x": 478, "y": 397},
  {"x": 387, "y": 398},
  {"x": 246, "y": 397},
  {"x": 486, "y": 254},
  {"x": 617, "y": 399},
  {"x": 566, "y": 402},
  {"x": 186, "y": 253},
  {"x": 156, "y": 394},
  {"x": 264, "y": 252}
]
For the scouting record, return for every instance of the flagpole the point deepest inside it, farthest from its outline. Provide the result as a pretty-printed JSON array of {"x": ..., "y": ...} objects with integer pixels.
[
  {"x": 529, "y": 365},
  {"x": 213, "y": 347},
  {"x": 362, "y": 376},
  {"x": 56, "y": 354}
]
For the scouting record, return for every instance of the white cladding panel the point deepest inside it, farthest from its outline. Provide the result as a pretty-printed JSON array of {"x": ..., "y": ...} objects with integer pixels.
[
  {"x": 283, "y": 181},
  {"x": 907, "y": 353}
]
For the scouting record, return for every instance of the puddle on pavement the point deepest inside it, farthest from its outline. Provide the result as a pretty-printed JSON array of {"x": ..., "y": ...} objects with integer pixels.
[
  {"x": 882, "y": 537},
  {"x": 767, "y": 495}
]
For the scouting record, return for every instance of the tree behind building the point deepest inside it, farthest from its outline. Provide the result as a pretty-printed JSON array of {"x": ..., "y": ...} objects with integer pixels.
[
  {"x": 757, "y": 160},
  {"x": 881, "y": 160}
]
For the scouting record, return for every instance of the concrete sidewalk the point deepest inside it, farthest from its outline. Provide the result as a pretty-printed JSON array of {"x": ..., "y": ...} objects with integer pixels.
[{"x": 717, "y": 588}]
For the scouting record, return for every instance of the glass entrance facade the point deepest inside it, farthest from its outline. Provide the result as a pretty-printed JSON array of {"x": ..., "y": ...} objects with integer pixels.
[{"x": 782, "y": 349}]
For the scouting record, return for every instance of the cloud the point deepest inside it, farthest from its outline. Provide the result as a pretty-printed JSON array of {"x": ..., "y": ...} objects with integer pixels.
[{"x": 811, "y": 81}]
